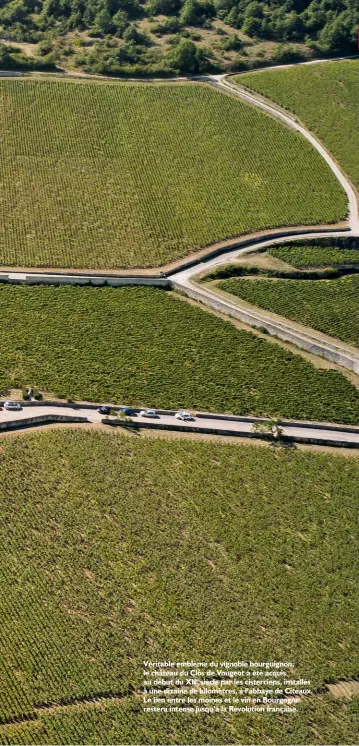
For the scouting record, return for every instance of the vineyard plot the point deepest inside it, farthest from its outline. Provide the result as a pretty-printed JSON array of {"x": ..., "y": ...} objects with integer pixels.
[
  {"x": 325, "y": 97},
  {"x": 315, "y": 256},
  {"x": 144, "y": 346},
  {"x": 123, "y": 549},
  {"x": 110, "y": 175},
  {"x": 330, "y": 306}
]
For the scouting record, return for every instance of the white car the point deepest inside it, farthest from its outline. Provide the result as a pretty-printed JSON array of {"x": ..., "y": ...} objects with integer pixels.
[
  {"x": 12, "y": 405},
  {"x": 184, "y": 416},
  {"x": 148, "y": 413}
]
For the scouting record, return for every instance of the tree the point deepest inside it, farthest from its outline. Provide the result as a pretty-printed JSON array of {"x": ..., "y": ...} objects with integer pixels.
[
  {"x": 336, "y": 35},
  {"x": 132, "y": 34},
  {"x": 13, "y": 12},
  {"x": 164, "y": 7},
  {"x": 194, "y": 12},
  {"x": 189, "y": 13},
  {"x": 268, "y": 427},
  {"x": 120, "y": 22},
  {"x": 252, "y": 26},
  {"x": 232, "y": 43},
  {"x": 254, "y": 10},
  {"x": 103, "y": 22},
  {"x": 185, "y": 57}
]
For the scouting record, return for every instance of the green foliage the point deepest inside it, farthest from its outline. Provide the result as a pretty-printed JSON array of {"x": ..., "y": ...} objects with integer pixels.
[
  {"x": 315, "y": 256},
  {"x": 83, "y": 184},
  {"x": 323, "y": 26},
  {"x": 195, "y": 12},
  {"x": 164, "y": 7},
  {"x": 133, "y": 34},
  {"x": 185, "y": 57},
  {"x": 92, "y": 583},
  {"x": 12, "y": 58},
  {"x": 231, "y": 42},
  {"x": 243, "y": 270},
  {"x": 326, "y": 98},
  {"x": 144, "y": 346},
  {"x": 285, "y": 54},
  {"x": 331, "y": 306},
  {"x": 170, "y": 25}
]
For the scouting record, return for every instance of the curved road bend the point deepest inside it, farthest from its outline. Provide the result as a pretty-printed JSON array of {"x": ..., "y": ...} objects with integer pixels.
[
  {"x": 302, "y": 336},
  {"x": 225, "y": 424}
]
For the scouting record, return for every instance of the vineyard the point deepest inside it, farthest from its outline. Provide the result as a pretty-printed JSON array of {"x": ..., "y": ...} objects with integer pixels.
[
  {"x": 330, "y": 306},
  {"x": 111, "y": 175},
  {"x": 325, "y": 97},
  {"x": 125, "y": 723},
  {"x": 145, "y": 346},
  {"x": 315, "y": 256},
  {"x": 92, "y": 584}
]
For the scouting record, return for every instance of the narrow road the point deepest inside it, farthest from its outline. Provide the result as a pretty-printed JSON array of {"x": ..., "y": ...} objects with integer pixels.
[
  {"x": 302, "y": 336},
  {"x": 325, "y": 434}
]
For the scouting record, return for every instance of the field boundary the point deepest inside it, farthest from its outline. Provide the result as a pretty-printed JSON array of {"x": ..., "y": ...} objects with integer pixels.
[{"x": 156, "y": 276}]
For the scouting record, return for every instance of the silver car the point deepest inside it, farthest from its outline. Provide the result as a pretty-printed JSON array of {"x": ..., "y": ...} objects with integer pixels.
[
  {"x": 148, "y": 413},
  {"x": 12, "y": 405},
  {"x": 186, "y": 416}
]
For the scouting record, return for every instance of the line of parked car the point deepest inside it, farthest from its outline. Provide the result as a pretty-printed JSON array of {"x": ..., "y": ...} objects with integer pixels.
[
  {"x": 128, "y": 412},
  {"x": 15, "y": 406}
]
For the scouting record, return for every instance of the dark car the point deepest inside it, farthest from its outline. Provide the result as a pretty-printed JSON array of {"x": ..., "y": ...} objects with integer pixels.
[
  {"x": 104, "y": 410},
  {"x": 127, "y": 411}
]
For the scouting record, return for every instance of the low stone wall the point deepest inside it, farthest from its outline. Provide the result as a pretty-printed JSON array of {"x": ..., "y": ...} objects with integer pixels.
[
  {"x": 334, "y": 352},
  {"x": 234, "y": 433},
  {"x": 293, "y": 423},
  {"x": 45, "y": 419},
  {"x": 251, "y": 240},
  {"x": 94, "y": 281}
]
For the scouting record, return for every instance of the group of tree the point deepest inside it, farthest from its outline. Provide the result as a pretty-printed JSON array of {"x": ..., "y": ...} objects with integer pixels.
[
  {"x": 118, "y": 43},
  {"x": 12, "y": 58},
  {"x": 331, "y": 23}
]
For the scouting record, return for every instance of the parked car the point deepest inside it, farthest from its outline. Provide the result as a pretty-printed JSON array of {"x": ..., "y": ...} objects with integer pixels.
[
  {"x": 148, "y": 413},
  {"x": 127, "y": 411},
  {"x": 184, "y": 416},
  {"x": 104, "y": 410},
  {"x": 12, "y": 405}
]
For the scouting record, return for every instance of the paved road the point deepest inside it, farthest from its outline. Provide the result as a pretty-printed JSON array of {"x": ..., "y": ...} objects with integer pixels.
[
  {"x": 304, "y": 337},
  {"x": 221, "y": 423}
]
